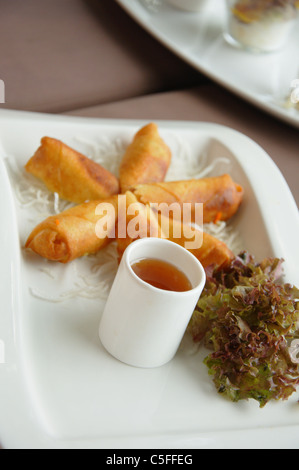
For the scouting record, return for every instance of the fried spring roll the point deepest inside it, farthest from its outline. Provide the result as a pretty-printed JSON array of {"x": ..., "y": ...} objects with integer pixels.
[
  {"x": 67, "y": 172},
  {"x": 135, "y": 221},
  {"x": 206, "y": 248},
  {"x": 146, "y": 159},
  {"x": 75, "y": 232},
  {"x": 141, "y": 221},
  {"x": 221, "y": 196}
]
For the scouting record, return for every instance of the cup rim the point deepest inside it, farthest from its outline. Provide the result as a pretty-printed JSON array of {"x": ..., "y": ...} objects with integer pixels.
[{"x": 198, "y": 287}]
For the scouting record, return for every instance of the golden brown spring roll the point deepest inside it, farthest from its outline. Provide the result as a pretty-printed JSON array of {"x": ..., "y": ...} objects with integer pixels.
[
  {"x": 67, "y": 172},
  {"x": 213, "y": 252},
  {"x": 75, "y": 232},
  {"x": 206, "y": 248},
  {"x": 221, "y": 196},
  {"x": 146, "y": 159},
  {"x": 135, "y": 221}
]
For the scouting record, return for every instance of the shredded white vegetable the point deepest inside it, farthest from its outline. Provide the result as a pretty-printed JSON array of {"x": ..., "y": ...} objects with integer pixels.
[
  {"x": 104, "y": 151},
  {"x": 185, "y": 165},
  {"x": 226, "y": 234},
  {"x": 32, "y": 194},
  {"x": 91, "y": 277}
]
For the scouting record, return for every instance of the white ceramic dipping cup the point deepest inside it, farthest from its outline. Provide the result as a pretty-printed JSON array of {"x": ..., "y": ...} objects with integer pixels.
[
  {"x": 188, "y": 5},
  {"x": 142, "y": 325}
]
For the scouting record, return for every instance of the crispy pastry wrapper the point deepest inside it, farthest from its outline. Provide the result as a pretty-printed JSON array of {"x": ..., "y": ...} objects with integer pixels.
[
  {"x": 220, "y": 196},
  {"x": 146, "y": 159},
  {"x": 70, "y": 174},
  {"x": 206, "y": 248},
  {"x": 79, "y": 231},
  {"x": 135, "y": 221}
]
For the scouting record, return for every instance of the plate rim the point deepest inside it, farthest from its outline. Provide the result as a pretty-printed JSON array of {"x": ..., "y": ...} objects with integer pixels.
[
  {"x": 272, "y": 110},
  {"x": 228, "y": 439}
]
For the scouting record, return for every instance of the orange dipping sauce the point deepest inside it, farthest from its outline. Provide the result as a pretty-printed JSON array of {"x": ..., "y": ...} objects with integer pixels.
[{"x": 162, "y": 275}]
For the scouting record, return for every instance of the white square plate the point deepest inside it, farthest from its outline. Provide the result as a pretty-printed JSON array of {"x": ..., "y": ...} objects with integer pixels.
[{"x": 58, "y": 386}]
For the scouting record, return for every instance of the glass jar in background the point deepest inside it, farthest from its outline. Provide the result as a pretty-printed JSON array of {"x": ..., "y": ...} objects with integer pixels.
[{"x": 260, "y": 25}]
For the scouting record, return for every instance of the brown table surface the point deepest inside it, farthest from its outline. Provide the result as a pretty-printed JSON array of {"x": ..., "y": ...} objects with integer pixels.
[{"x": 58, "y": 55}]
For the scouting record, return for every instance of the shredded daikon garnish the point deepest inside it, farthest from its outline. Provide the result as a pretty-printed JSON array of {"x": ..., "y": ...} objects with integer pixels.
[
  {"x": 227, "y": 234},
  {"x": 32, "y": 194},
  {"x": 105, "y": 151},
  {"x": 78, "y": 291},
  {"x": 90, "y": 277},
  {"x": 184, "y": 165}
]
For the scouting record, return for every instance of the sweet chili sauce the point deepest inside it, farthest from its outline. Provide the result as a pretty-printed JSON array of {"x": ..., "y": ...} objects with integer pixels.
[{"x": 162, "y": 275}]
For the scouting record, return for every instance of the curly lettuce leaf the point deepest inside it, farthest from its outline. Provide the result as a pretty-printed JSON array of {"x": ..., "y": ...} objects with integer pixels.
[{"x": 248, "y": 319}]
